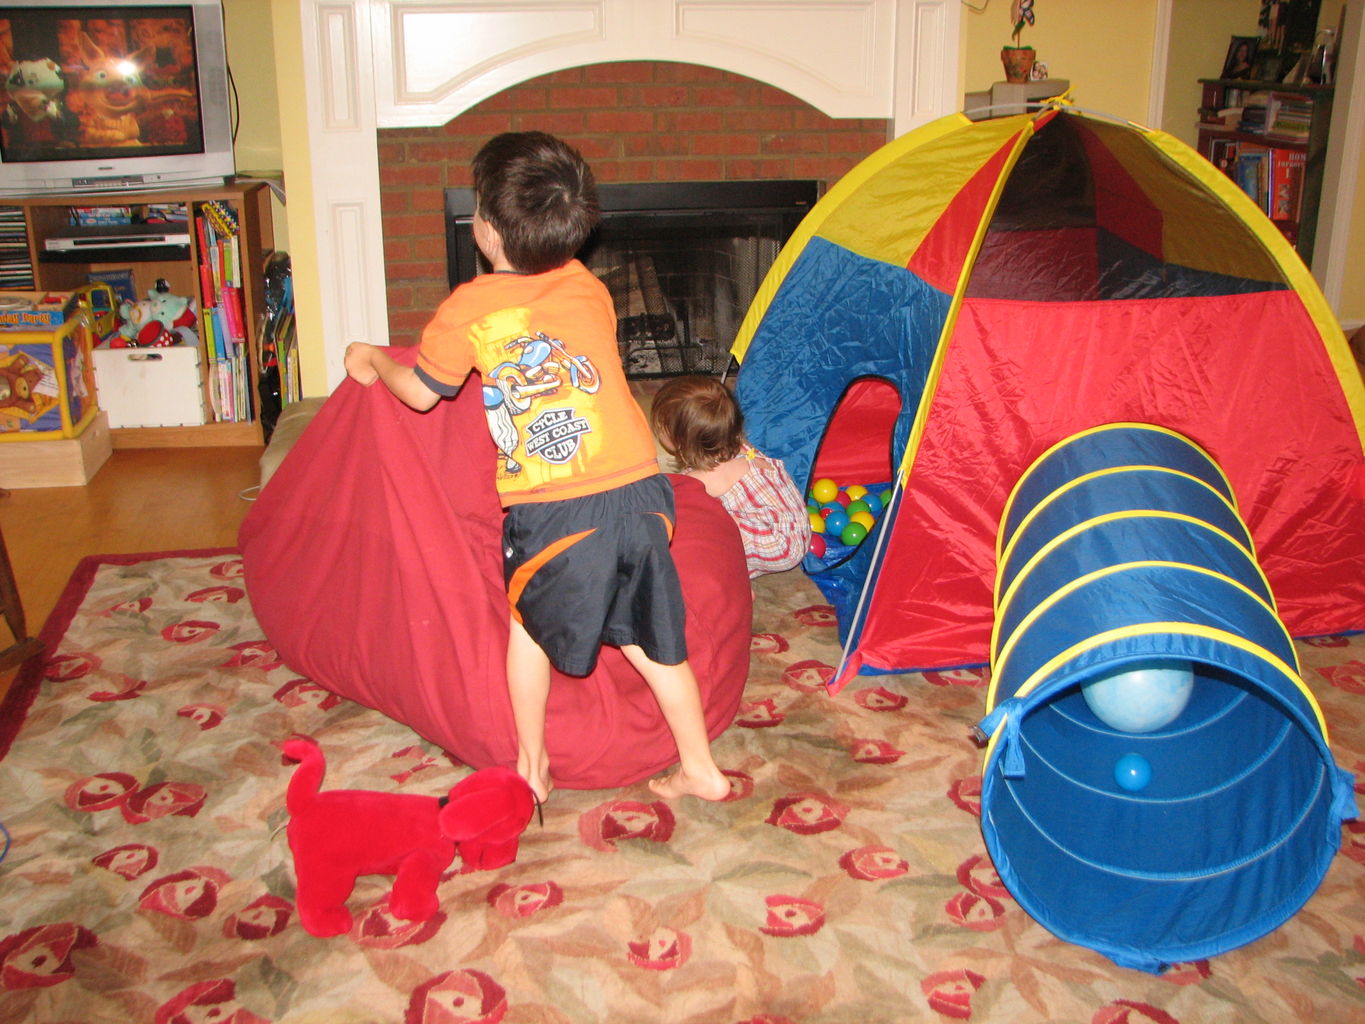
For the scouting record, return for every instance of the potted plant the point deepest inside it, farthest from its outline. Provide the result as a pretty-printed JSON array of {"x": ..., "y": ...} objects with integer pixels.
[{"x": 1018, "y": 60}]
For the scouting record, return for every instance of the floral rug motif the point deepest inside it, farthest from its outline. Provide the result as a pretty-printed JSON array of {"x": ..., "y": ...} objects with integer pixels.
[{"x": 147, "y": 877}]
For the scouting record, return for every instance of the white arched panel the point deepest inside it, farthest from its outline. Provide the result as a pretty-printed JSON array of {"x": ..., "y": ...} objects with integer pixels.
[
  {"x": 448, "y": 56},
  {"x": 372, "y": 64}
]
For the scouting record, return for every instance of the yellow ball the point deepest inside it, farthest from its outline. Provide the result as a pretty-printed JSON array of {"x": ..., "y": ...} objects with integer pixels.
[
  {"x": 817, "y": 522},
  {"x": 865, "y": 518},
  {"x": 824, "y": 490},
  {"x": 855, "y": 491}
]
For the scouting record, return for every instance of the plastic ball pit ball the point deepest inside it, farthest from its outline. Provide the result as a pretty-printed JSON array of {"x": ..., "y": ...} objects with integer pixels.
[
  {"x": 824, "y": 490},
  {"x": 853, "y": 534},
  {"x": 1132, "y": 772},
  {"x": 1143, "y": 697}
]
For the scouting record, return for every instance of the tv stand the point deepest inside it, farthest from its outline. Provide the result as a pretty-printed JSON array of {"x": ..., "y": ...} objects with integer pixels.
[{"x": 75, "y": 251}]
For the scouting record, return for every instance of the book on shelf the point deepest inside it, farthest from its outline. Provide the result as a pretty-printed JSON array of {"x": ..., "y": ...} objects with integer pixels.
[
  {"x": 1250, "y": 173},
  {"x": 221, "y": 280},
  {"x": 1289, "y": 117},
  {"x": 1285, "y": 185}
]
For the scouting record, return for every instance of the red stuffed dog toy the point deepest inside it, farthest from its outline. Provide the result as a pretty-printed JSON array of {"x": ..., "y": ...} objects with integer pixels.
[{"x": 341, "y": 834}]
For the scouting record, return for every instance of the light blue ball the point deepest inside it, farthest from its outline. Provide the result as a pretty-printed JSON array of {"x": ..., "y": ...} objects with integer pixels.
[
  {"x": 1132, "y": 772},
  {"x": 1143, "y": 697}
]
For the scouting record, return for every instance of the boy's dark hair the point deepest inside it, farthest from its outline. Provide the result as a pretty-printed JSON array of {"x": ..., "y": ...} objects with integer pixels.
[
  {"x": 539, "y": 194},
  {"x": 698, "y": 422}
]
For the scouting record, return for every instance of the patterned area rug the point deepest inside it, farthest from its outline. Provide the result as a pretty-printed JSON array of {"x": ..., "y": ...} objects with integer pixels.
[{"x": 147, "y": 877}]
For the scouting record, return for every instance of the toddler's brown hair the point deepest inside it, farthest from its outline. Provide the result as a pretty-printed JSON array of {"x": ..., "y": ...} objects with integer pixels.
[{"x": 698, "y": 422}]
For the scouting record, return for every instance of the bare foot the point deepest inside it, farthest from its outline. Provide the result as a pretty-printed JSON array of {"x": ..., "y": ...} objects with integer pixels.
[
  {"x": 670, "y": 787},
  {"x": 538, "y": 778}
]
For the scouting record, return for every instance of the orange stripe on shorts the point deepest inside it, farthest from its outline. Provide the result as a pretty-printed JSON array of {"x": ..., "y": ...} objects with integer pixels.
[{"x": 528, "y": 568}]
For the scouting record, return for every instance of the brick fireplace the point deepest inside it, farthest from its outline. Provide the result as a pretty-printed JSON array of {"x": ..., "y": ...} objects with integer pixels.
[
  {"x": 635, "y": 121},
  {"x": 399, "y": 94}
]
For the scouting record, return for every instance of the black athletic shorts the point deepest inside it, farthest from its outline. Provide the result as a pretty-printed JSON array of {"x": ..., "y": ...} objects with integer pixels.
[{"x": 596, "y": 570}]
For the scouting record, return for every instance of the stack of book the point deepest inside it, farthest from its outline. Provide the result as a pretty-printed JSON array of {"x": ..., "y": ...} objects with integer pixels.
[
  {"x": 1252, "y": 119},
  {"x": 16, "y": 269},
  {"x": 222, "y": 313},
  {"x": 1272, "y": 176},
  {"x": 1288, "y": 117}
]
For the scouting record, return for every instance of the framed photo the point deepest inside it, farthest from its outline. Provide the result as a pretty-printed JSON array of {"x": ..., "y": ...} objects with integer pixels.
[{"x": 1241, "y": 59}]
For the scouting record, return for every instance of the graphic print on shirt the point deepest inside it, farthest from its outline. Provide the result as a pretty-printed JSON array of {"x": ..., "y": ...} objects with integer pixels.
[{"x": 525, "y": 403}]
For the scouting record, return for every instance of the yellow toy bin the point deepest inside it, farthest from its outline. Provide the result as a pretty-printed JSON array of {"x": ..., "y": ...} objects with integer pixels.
[{"x": 47, "y": 379}]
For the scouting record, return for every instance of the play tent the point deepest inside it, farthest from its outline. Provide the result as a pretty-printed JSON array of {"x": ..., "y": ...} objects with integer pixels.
[{"x": 976, "y": 291}]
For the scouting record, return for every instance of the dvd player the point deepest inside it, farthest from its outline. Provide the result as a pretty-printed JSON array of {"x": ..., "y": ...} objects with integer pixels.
[{"x": 120, "y": 236}]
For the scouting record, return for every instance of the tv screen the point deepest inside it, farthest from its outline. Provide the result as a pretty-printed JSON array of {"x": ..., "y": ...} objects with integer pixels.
[{"x": 122, "y": 96}]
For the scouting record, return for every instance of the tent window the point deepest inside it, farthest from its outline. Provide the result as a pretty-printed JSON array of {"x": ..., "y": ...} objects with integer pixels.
[{"x": 857, "y": 446}]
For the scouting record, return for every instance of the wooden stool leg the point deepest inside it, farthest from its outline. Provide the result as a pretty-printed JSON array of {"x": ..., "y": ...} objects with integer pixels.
[{"x": 12, "y": 608}]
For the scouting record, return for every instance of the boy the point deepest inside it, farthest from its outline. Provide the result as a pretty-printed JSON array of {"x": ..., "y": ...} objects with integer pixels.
[{"x": 589, "y": 517}]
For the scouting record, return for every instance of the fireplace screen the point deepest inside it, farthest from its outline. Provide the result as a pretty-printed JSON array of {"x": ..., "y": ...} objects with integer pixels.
[{"x": 682, "y": 262}]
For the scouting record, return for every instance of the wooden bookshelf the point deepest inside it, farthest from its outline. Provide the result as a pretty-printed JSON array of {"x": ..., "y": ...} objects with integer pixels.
[
  {"x": 1289, "y": 139},
  {"x": 49, "y": 216}
]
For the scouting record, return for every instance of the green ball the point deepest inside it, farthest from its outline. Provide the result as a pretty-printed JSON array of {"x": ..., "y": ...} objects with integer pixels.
[{"x": 853, "y": 534}]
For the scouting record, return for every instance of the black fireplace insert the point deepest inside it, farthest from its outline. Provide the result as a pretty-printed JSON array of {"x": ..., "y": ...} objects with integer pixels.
[{"x": 682, "y": 261}]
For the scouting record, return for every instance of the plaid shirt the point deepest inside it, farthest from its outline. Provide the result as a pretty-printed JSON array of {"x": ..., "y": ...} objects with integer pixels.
[{"x": 770, "y": 513}]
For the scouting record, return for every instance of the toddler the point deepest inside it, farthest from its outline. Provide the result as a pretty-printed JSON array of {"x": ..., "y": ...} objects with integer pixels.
[{"x": 699, "y": 423}]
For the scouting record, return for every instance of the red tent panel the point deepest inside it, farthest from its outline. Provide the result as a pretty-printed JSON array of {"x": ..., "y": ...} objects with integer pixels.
[{"x": 1012, "y": 386}]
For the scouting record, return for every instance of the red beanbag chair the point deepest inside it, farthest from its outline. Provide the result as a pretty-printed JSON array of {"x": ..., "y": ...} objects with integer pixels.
[{"x": 373, "y": 565}]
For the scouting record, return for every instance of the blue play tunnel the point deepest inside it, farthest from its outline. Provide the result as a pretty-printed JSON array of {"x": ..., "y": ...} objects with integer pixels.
[{"x": 1122, "y": 547}]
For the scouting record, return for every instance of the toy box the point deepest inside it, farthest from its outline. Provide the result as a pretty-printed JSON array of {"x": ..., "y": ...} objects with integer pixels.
[
  {"x": 150, "y": 387},
  {"x": 30, "y": 311},
  {"x": 47, "y": 384}
]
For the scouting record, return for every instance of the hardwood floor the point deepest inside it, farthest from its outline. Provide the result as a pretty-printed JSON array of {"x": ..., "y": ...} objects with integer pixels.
[{"x": 155, "y": 499}]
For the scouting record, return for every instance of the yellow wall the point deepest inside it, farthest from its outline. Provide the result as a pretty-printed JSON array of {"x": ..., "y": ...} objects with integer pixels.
[
  {"x": 287, "y": 26},
  {"x": 252, "y": 58},
  {"x": 1103, "y": 48},
  {"x": 1200, "y": 33},
  {"x": 1351, "y": 305}
]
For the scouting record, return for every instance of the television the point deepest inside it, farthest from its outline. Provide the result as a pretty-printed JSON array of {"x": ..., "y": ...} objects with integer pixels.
[{"x": 116, "y": 96}]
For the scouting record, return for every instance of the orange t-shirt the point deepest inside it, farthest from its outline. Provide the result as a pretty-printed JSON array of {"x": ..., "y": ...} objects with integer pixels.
[{"x": 558, "y": 405}]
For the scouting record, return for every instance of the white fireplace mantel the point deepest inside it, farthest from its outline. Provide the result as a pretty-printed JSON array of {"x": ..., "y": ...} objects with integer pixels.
[{"x": 371, "y": 64}]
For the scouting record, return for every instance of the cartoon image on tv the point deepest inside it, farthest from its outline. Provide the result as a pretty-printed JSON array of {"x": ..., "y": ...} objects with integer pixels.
[
  {"x": 35, "y": 109},
  {"x": 94, "y": 85}
]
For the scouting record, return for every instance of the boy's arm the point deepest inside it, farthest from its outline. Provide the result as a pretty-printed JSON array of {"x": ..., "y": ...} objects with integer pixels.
[{"x": 367, "y": 363}]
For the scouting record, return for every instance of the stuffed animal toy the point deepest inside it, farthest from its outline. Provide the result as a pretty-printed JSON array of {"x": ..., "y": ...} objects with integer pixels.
[
  {"x": 132, "y": 318},
  {"x": 159, "y": 320},
  {"x": 175, "y": 313},
  {"x": 341, "y": 834}
]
